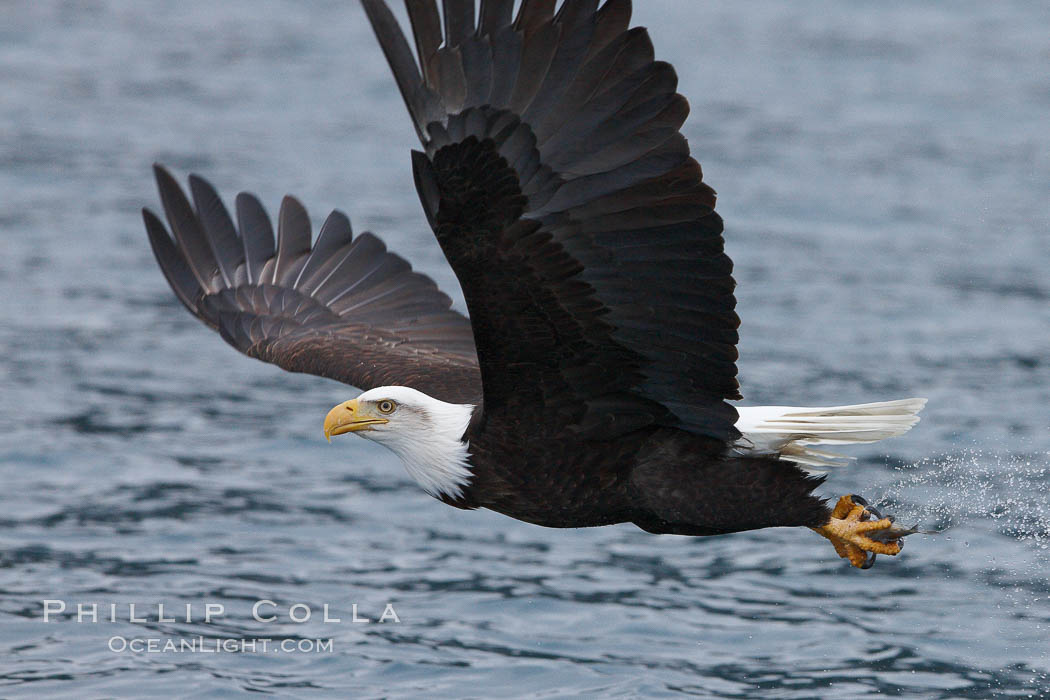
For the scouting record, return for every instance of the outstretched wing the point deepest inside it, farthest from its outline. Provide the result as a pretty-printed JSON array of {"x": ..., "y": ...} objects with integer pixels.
[
  {"x": 564, "y": 196},
  {"x": 345, "y": 308}
]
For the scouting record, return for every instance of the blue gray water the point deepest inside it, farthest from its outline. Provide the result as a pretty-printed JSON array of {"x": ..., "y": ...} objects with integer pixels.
[{"x": 883, "y": 170}]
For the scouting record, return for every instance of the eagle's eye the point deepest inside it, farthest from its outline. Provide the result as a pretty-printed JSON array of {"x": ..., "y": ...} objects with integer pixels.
[{"x": 387, "y": 406}]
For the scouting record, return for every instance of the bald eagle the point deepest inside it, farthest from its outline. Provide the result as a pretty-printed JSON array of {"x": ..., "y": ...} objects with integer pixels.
[{"x": 590, "y": 384}]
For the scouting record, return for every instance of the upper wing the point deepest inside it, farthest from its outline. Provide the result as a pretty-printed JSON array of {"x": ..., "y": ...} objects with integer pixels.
[
  {"x": 345, "y": 309},
  {"x": 566, "y": 201}
]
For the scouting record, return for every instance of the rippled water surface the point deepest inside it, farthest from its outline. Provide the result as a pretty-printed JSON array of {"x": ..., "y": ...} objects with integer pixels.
[{"x": 883, "y": 172}]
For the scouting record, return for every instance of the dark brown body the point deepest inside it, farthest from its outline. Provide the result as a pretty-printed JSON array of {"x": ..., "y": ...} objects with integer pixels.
[{"x": 664, "y": 480}]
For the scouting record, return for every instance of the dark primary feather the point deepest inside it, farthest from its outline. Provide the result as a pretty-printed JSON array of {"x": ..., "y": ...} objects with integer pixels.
[
  {"x": 399, "y": 54},
  {"x": 293, "y": 239},
  {"x": 172, "y": 262},
  {"x": 426, "y": 29},
  {"x": 495, "y": 14},
  {"x": 194, "y": 247},
  {"x": 218, "y": 229},
  {"x": 533, "y": 14},
  {"x": 565, "y": 198},
  {"x": 334, "y": 234},
  {"x": 459, "y": 20},
  {"x": 345, "y": 308},
  {"x": 256, "y": 235}
]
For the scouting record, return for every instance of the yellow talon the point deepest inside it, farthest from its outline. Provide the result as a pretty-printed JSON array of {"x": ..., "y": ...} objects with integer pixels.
[{"x": 847, "y": 529}]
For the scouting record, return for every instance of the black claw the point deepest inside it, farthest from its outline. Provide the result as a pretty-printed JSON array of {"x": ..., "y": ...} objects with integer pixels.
[
  {"x": 869, "y": 562},
  {"x": 861, "y": 501}
]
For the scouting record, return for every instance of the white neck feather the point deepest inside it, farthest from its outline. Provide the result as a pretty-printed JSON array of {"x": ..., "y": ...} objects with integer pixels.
[
  {"x": 438, "y": 460},
  {"x": 427, "y": 434}
]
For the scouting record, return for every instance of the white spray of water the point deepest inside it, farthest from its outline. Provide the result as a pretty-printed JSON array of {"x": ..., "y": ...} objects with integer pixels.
[
  {"x": 945, "y": 492},
  {"x": 996, "y": 509}
]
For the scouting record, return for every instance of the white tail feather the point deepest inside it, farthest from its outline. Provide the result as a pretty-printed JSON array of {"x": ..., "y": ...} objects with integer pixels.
[{"x": 791, "y": 430}]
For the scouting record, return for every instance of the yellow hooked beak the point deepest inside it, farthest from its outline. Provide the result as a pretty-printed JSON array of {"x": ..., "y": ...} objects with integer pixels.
[{"x": 350, "y": 417}]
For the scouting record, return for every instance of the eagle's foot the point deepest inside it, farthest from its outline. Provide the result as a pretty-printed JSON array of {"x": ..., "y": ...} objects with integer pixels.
[{"x": 859, "y": 532}]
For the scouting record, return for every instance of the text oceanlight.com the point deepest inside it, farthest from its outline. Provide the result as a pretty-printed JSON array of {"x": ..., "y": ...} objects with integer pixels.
[{"x": 207, "y": 645}]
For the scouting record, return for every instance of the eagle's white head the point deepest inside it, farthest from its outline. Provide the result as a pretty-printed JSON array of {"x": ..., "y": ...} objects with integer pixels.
[{"x": 427, "y": 434}]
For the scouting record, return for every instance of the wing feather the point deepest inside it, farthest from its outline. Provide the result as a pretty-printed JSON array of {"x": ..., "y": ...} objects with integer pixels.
[
  {"x": 565, "y": 198},
  {"x": 343, "y": 308},
  {"x": 188, "y": 232},
  {"x": 459, "y": 21},
  {"x": 256, "y": 234},
  {"x": 218, "y": 228},
  {"x": 534, "y": 14},
  {"x": 495, "y": 14},
  {"x": 398, "y": 53},
  {"x": 293, "y": 240},
  {"x": 172, "y": 263},
  {"x": 538, "y": 50},
  {"x": 335, "y": 233}
]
